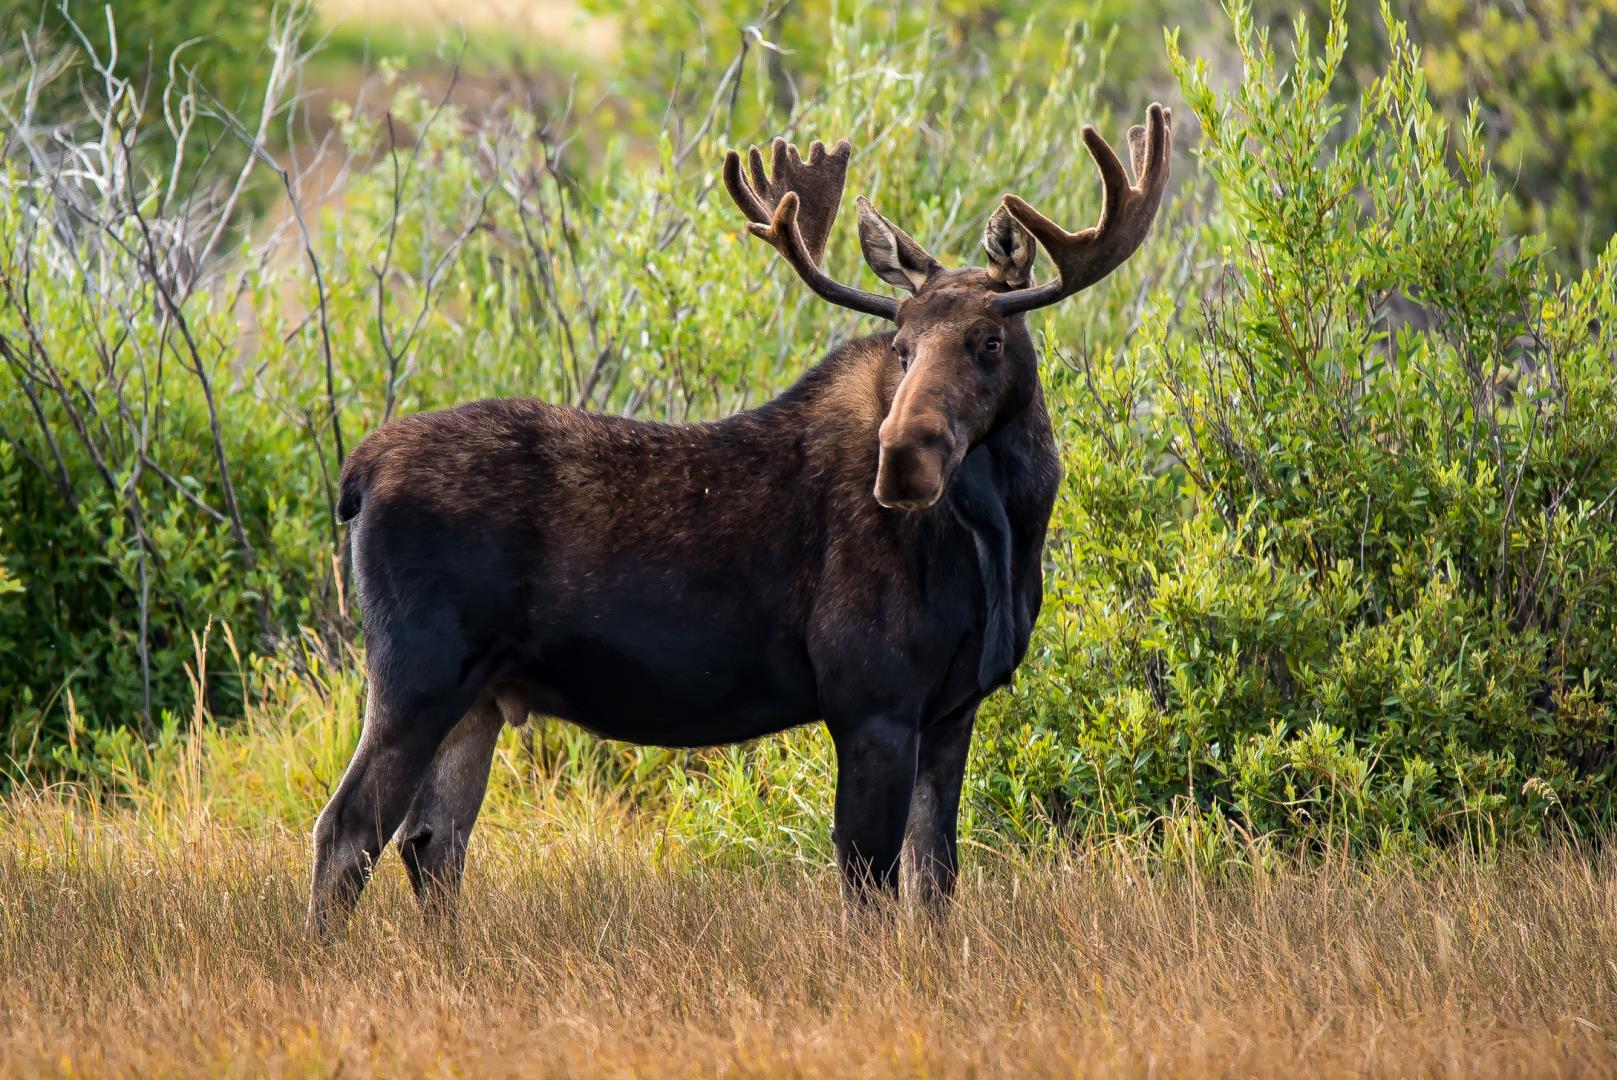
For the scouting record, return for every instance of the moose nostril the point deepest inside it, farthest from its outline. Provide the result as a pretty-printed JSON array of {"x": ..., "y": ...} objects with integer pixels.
[
  {"x": 907, "y": 501},
  {"x": 908, "y": 476}
]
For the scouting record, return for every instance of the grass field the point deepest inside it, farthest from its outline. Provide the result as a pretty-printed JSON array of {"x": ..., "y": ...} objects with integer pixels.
[{"x": 122, "y": 954}]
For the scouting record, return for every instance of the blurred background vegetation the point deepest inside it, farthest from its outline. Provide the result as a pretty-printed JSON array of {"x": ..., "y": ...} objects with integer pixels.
[{"x": 1332, "y": 564}]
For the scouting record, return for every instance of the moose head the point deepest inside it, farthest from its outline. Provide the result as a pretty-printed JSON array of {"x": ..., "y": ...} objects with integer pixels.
[{"x": 961, "y": 341}]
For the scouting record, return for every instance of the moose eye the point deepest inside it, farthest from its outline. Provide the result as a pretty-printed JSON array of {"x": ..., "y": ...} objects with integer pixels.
[
  {"x": 991, "y": 345},
  {"x": 903, "y": 353}
]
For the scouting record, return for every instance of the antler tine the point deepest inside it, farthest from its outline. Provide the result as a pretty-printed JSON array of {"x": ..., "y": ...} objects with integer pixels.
[
  {"x": 1127, "y": 211},
  {"x": 771, "y": 202},
  {"x": 740, "y": 190},
  {"x": 783, "y": 234}
]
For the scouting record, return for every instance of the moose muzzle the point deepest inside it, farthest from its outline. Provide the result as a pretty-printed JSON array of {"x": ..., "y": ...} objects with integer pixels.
[{"x": 910, "y": 471}]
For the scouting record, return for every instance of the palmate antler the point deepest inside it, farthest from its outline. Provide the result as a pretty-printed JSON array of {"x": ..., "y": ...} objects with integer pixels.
[
  {"x": 794, "y": 203},
  {"x": 793, "y": 207},
  {"x": 817, "y": 181},
  {"x": 1083, "y": 258}
]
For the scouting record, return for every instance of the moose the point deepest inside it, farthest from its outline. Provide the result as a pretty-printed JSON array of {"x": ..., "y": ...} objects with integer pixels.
[{"x": 864, "y": 550}]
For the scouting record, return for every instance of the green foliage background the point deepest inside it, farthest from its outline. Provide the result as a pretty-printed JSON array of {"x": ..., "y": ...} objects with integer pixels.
[
  {"x": 1332, "y": 563},
  {"x": 224, "y": 43}
]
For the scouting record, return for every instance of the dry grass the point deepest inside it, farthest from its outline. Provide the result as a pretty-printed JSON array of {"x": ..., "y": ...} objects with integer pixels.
[{"x": 120, "y": 955}]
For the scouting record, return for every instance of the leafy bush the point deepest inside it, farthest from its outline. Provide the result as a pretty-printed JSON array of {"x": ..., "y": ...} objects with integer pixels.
[
  {"x": 153, "y": 394},
  {"x": 675, "y": 54},
  {"x": 226, "y": 43},
  {"x": 1545, "y": 93},
  {"x": 1546, "y": 90},
  {"x": 1325, "y": 571},
  {"x": 1330, "y": 561}
]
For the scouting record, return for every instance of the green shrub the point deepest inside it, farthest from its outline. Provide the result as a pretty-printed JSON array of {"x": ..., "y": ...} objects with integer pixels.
[
  {"x": 782, "y": 57},
  {"x": 226, "y": 43},
  {"x": 1545, "y": 89},
  {"x": 1321, "y": 575},
  {"x": 1330, "y": 562},
  {"x": 122, "y": 529}
]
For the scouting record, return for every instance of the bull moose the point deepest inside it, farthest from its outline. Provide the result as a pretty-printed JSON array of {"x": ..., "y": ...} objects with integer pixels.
[{"x": 865, "y": 549}]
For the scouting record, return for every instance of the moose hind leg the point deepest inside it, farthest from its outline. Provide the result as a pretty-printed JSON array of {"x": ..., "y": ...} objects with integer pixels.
[
  {"x": 432, "y": 841},
  {"x": 875, "y": 775},
  {"x": 395, "y": 749}
]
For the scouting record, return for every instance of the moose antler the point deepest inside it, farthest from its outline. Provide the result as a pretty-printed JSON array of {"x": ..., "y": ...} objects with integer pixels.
[
  {"x": 1083, "y": 258},
  {"x": 817, "y": 181},
  {"x": 793, "y": 207}
]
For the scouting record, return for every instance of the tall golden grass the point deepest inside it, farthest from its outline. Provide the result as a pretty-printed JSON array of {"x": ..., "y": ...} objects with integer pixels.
[{"x": 130, "y": 952}]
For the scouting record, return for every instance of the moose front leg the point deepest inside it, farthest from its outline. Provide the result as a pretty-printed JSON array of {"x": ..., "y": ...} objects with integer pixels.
[
  {"x": 931, "y": 852},
  {"x": 875, "y": 777}
]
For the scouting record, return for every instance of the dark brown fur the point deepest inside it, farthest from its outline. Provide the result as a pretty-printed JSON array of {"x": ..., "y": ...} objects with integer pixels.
[{"x": 863, "y": 550}]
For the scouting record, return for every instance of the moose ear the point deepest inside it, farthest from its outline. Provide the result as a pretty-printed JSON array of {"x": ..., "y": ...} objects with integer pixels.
[
  {"x": 896, "y": 258},
  {"x": 1009, "y": 248}
]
